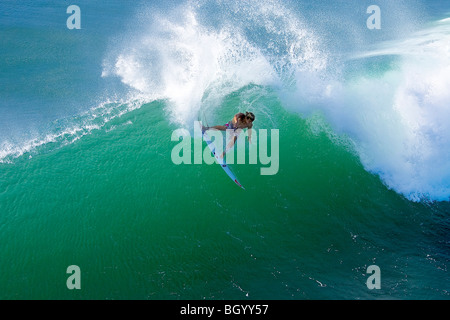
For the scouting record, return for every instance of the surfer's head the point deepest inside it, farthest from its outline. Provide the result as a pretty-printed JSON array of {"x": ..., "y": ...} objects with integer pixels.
[{"x": 249, "y": 116}]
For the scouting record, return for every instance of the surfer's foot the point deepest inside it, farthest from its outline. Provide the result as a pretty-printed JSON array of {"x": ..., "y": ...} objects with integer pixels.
[{"x": 204, "y": 128}]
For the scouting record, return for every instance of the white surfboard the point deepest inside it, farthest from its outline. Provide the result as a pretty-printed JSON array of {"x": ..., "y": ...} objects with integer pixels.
[{"x": 220, "y": 161}]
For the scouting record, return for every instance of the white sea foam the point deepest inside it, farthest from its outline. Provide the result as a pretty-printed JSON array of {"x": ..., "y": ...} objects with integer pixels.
[
  {"x": 397, "y": 120},
  {"x": 67, "y": 131},
  {"x": 191, "y": 63}
]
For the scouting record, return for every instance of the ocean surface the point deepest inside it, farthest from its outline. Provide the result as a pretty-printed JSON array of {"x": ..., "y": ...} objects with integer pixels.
[{"x": 87, "y": 177}]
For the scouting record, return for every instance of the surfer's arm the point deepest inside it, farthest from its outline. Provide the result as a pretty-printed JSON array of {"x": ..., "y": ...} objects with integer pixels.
[
  {"x": 250, "y": 133},
  {"x": 229, "y": 146}
]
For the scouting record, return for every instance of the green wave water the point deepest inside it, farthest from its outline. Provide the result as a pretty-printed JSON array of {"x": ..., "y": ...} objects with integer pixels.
[
  {"x": 96, "y": 187},
  {"x": 140, "y": 227}
]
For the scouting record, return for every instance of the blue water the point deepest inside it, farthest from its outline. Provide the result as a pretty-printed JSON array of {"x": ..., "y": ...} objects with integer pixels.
[{"x": 86, "y": 176}]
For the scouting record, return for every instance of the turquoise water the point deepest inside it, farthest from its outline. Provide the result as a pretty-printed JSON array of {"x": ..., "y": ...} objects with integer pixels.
[{"x": 87, "y": 179}]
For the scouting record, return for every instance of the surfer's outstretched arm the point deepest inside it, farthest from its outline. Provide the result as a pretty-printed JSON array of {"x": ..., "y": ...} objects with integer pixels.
[{"x": 229, "y": 146}]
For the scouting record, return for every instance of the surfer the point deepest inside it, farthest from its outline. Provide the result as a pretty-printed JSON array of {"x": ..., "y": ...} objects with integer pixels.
[{"x": 239, "y": 122}]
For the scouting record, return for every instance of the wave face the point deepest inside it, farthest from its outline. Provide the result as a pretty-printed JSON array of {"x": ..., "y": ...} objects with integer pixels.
[
  {"x": 388, "y": 98},
  {"x": 383, "y": 91}
]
